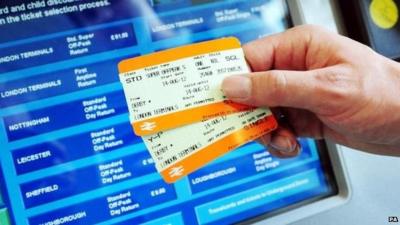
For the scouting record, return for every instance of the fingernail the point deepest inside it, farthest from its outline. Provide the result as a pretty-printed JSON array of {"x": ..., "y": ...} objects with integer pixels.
[
  {"x": 237, "y": 87},
  {"x": 283, "y": 144}
]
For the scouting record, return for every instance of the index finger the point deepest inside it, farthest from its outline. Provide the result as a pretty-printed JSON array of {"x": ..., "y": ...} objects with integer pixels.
[{"x": 284, "y": 51}]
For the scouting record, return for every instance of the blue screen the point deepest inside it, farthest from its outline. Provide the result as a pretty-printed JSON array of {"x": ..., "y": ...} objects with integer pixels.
[{"x": 68, "y": 152}]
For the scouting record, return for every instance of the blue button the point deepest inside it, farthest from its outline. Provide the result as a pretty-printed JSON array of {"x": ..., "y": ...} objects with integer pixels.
[
  {"x": 59, "y": 82},
  {"x": 255, "y": 197},
  {"x": 232, "y": 170},
  {"x": 63, "y": 185},
  {"x": 56, "y": 152},
  {"x": 110, "y": 206},
  {"x": 52, "y": 118},
  {"x": 67, "y": 47}
]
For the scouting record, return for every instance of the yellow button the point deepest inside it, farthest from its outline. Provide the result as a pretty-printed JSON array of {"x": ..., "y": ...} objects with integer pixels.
[{"x": 384, "y": 13}]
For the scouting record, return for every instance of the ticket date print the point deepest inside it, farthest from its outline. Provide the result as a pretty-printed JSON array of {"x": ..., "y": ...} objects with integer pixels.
[{"x": 179, "y": 86}]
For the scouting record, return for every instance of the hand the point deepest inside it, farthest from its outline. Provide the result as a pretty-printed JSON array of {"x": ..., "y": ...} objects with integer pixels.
[{"x": 327, "y": 86}]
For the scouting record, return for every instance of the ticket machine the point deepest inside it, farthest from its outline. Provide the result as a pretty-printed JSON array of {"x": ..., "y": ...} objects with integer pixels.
[{"x": 67, "y": 151}]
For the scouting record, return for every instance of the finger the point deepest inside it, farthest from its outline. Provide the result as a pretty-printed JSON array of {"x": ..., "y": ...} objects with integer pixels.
[
  {"x": 304, "y": 123},
  {"x": 297, "y": 89},
  {"x": 374, "y": 148},
  {"x": 284, "y": 143},
  {"x": 265, "y": 140},
  {"x": 287, "y": 50},
  {"x": 281, "y": 143}
]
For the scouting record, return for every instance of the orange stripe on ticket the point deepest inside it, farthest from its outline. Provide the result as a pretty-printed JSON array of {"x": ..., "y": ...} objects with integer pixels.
[
  {"x": 178, "y": 53},
  {"x": 218, "y": 148},
  {"x": 187, "y": 116}
]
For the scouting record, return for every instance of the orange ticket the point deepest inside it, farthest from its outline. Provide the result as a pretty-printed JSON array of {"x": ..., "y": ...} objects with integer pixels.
[
  {"x": 180, "y": 151},
  {"x": 179, "y": 86}
]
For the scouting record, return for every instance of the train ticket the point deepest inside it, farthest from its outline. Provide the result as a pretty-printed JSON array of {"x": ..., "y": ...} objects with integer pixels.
[
  {"x": 179, "y": 86},
  {"x": 180, "y": 151}
]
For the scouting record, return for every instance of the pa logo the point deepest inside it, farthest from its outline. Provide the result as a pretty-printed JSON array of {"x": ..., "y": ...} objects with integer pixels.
[{"x": 393, "y": 219}]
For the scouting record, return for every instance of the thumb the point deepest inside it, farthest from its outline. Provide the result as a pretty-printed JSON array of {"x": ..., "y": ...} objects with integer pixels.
[{"x": 297, "y": 89}]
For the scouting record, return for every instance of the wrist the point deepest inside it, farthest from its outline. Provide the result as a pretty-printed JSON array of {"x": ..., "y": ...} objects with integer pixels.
[{"x": 394, "y": 74}]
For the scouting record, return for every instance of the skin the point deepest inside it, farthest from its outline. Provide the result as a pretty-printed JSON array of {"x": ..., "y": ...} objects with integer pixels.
[{"x": 326, "y": 86}]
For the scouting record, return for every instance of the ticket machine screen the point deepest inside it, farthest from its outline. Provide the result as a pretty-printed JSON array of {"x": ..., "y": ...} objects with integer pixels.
[{"x": 68, "y": 154}]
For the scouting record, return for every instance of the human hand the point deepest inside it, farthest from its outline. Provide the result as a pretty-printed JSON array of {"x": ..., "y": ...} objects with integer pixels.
[{"x": 327, "y": 86}]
